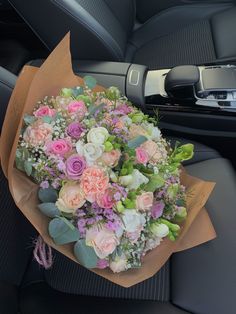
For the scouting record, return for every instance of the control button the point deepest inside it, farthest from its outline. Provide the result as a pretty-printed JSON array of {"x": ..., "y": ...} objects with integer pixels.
[
  {"x": 220, "y": 95},
  {"x": 234, "y": 95}
]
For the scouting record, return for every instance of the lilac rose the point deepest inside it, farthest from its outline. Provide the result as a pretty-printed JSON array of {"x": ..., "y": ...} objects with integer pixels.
[
  {"x": 75, "y": 166},
  {"x": 74, "y": 130},
  {"x": 157, "y": 209}
]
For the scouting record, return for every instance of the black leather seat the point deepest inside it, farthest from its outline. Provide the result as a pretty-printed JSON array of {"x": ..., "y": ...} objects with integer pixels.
[
  {"x": 201, "y": 280},
  {"x": 198, "y": 33}
]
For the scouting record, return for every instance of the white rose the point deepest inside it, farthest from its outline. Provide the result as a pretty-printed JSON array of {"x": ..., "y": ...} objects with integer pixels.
[
  {"x": 97, "y": 135},
  {"x": 137, "y": 179},
  {"x": 159, "y": 230},
  {"x": 119, "y": 264},
  {"x": 80, "y": 148},
  {"x": 133, "y": 221},
  {"x": 126, "y": 120},
  {"x": 153, "y": 132},
  {"x": 92, "y": 152}
]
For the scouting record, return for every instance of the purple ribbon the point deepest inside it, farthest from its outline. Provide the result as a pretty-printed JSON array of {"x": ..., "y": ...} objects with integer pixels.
[{"x": 43, "y": 253}]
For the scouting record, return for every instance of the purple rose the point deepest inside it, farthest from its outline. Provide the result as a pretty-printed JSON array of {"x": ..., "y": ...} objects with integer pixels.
[
  {"x": 74, "y": 130},
  {"x": 75, "y": 166},
  {"x": 157, "y": 209}
]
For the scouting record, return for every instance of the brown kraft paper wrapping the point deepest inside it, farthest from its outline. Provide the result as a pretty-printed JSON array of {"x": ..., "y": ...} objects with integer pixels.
[{"x": 33, "y": 85}]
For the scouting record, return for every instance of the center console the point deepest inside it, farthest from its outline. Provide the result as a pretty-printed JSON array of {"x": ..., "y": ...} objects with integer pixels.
[
  {"x": 188, "y": 99},
  {"x": 212, "y": 87}
]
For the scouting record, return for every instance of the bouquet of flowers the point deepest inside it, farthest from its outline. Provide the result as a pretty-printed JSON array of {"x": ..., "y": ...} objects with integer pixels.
[
  {"x": 108, "y": 179},
  {"x": 95, "y": 177}
]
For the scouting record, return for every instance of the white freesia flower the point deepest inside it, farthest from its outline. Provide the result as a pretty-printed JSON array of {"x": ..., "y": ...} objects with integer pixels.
[
  {"x": 133, "y": 220},
  {"x": 153, "y": 132},
  {"x": 159, "y": 230},
  {"x": 137, "y": 179},
  {"x": 97, "y": 135}
]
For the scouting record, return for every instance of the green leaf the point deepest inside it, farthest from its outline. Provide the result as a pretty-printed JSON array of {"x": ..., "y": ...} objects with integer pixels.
[
  {"x": 62, "y": 231},
  {"x": 49, "y": 209},
  {"x": 47, "y": 119},
  {"x": 29, "y": 119},
  {"x": 48, "y": 195},
  {"x": 93, "y": 109},
  {"x": 20, "y": 164},
  {"x": 137, "y": 141},
  {"x": 85, "y": 254},
  {"x": 28, "y": 167},
  {"x": 155, "y": 182},
  {"x": 90, "y": 81},
  {"x": 77, "y": 91}
]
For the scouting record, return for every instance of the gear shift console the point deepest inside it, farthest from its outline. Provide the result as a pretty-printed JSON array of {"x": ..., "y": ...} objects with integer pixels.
[{"x": 208, "y": 86}]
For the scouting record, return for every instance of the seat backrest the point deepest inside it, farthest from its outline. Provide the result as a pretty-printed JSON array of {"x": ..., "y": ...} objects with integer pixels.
[{"x": 99, "y": 28}]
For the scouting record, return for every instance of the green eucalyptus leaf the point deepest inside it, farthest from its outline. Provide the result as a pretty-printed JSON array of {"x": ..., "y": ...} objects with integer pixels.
[
  {"x": 155, "y": 182},
  {"x": 28, "y": 167},
  {"x": 47, "y": 119},
  {"x": 85, "y": 254},
  {"x": 20, "y": 164},
  {"x": 137, "y": 141},
  {"x": 93, "y": 109},
  {"x": 29, "y": 119},
  {"x": 77, "y": 91},
  {"x": 90, "y": 81},
  {"x": 48, "y": 195},
  {"x": 62, "y": 231},
  {"x": 49, "y": 209}
]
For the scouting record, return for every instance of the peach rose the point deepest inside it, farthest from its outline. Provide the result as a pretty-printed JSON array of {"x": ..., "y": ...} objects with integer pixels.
[
  {"x": 45, "y": 111},
  {"x": 154, "y": 153},
  {"x": 77, "y": 107},
  {"x": 111, "y": 158},
  {"x": 144, "y": 201},
  {"x": 93, "y": 181},
  {"x": 103, "y": 240},
  {"x": 71, "y": 197},
  {"x": 59, "y": 147},
  {"x": 38, "y": 133},
  {"x": 136, "y": 130}
]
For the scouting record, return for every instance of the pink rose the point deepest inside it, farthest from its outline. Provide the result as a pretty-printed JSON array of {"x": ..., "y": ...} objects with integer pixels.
[
  {"x": 106, "y": 199},
  {"x": 71, "y": 197},
  {"x": 141, "y": 156},
  {"x": 38, "y": 133},
  {"x": 45, "y": 111},
  {"x": 94, "y": 181},
  {"x": 144, "y": 201},
  {"x": 77, "y": 107},
  {"x": 59, "y": 147},
  {"x": 103, "y": 240},
  {"x": 111, "y": 158},
  {"x": 155, "y": 153}
]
